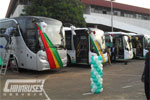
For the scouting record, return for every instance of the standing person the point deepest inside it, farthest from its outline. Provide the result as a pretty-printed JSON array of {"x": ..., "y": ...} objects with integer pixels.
[
  {"x": 146, "y": 76},
  {"x": 113, "y": 53},
  {"x": 7, "y": 35},
  {"x": 108, "y": 54}
]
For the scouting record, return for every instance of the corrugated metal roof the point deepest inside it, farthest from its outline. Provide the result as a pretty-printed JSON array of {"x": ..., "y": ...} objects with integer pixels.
[{"x": 117, "y": 6}]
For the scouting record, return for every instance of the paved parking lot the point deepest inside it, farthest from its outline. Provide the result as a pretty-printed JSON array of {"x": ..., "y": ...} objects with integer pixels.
[{"x": 121, "y": 82}]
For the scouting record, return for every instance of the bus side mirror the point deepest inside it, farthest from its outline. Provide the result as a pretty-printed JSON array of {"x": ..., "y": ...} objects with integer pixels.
[{"x": 34, "y": 21}]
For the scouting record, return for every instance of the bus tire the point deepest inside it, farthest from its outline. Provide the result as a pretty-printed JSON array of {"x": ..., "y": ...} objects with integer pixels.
[
  {"x": 68, "y": 61},
  {"x": 126, "y": 62},
  {"x": 133, "y": 55},
  {"x": 14, "y": 64}
]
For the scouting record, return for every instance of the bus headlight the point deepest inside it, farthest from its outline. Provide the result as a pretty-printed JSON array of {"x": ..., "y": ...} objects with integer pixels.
[{"x": 43, "y": 57}]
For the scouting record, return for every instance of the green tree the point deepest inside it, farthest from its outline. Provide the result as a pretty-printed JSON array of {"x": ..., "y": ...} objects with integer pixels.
[{"x": 67, "y": 11}]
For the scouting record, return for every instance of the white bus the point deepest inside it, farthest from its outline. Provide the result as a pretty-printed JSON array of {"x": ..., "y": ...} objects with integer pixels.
[
  {"x": 121, "y": 43},
  {"x": 37, "y": 44},
  {"x": 140, "y": 44},
  {"x": 82, "y": 43}
]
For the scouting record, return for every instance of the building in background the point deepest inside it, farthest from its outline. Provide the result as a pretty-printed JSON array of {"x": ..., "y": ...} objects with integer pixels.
[{"x": 98, "y": 14}]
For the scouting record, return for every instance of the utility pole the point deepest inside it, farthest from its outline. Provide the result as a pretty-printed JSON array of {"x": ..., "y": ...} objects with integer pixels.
[
  {"x": 112, "y": 27},
  {"x": 112, "y": 13}
]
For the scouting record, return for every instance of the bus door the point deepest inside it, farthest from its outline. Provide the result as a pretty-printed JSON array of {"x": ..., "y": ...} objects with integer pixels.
[
  {"x": 139, "y": 46},
  {"x": 81, "y": 43},
  {"x": 70, "y": 47},
  {"x": 134, "y": 45},
  {"x": 119, "y": 49},
  {"x": 128, "y": 54}
]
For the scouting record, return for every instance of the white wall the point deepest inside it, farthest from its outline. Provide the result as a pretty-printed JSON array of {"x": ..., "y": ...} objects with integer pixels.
[{"x": 17, "y": 11}]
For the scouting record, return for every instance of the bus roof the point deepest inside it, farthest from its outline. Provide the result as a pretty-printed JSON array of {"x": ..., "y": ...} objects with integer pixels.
[
  {"x": 69, "y": 28},
  {"x": 138, "y": 35},
  {"x": 92, "y": 29},
  {"x": 96, "y": 29},
  {"x": 116, "y": 33}
]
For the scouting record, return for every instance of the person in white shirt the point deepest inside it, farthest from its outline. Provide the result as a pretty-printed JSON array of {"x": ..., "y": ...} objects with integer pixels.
[{"x": 7, "y": 35}]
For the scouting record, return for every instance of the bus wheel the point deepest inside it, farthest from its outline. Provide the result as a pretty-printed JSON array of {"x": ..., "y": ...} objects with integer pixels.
[
  {"x": 134, "y": 55},
  {"x": 126, "y": 62},
  {"x": 68, "y": 61},
  {"x": 14, "y": 65}
]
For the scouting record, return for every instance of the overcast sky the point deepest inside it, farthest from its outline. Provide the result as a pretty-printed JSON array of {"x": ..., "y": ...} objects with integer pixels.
[{"x": 141, "y": 3}]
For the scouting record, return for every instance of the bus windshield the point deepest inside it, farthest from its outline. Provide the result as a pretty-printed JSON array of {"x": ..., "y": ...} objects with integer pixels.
[
  {"x": 146, "y": 42},
  {"x": 108, "y": 41},
  {"x": 101, "y": 40},
  {"x": 54, "y": 31}
]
